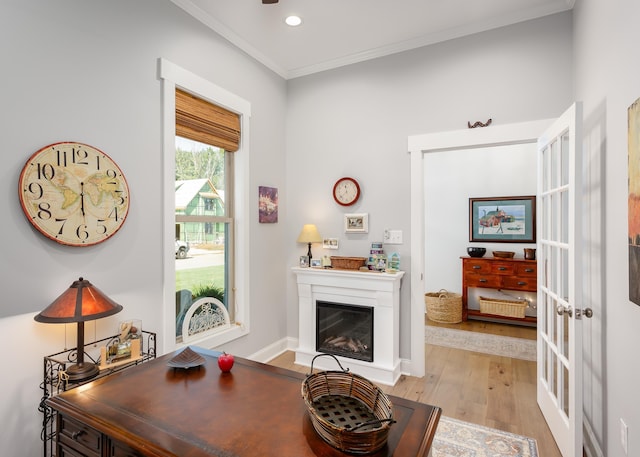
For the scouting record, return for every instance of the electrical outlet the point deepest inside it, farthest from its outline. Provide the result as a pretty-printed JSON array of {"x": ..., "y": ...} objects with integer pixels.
[{"x": 624, "y": 431}]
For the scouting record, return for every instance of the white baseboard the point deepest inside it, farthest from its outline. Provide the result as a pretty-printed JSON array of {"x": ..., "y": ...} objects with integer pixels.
[
  {"x": 272, "y": 351},
  {"x": 590, "y": 442},
  {"x": 406, "y": 367}
]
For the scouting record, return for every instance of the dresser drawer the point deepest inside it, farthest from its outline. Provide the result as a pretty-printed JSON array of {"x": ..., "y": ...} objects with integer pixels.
[
  {"x": 519, "y": 283},
  {"x": 78, "y": 437},
  {"x": 476, "y": 266},
  {"x": 118, "y": 449},
  {"x": 481, "y": 280},
  {"x": 498, "y": 268},
  {"x": 64, "y": 451},
  {"x": 526, "y": 270}
]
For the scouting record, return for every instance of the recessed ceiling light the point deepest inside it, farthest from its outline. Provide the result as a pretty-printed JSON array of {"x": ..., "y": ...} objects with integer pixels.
[{"x": 293, "y": 21}]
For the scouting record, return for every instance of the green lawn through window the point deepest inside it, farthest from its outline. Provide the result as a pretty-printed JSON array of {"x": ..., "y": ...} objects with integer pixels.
[{"x": 200, "y": 278}]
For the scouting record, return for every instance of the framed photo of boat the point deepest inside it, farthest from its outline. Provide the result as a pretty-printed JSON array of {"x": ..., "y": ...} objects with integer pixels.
[{"x": 503, "y": 219}]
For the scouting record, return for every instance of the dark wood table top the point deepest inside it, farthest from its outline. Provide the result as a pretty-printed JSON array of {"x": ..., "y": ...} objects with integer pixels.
[{"x": 256, "y": 410}]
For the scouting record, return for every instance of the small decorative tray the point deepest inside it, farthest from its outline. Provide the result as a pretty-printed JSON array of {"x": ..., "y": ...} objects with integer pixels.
[{"x": 186, "y": 359}]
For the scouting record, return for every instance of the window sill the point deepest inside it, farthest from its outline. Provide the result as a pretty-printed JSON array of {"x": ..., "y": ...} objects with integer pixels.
[{"x": 210, "y": 341}]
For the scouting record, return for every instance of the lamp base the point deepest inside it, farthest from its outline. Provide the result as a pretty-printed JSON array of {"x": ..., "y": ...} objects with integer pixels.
[{"x": 82, "y": 371}]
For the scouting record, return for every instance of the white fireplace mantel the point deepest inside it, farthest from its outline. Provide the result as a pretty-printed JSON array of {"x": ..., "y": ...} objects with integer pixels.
[{"x": 381, "y": 291}]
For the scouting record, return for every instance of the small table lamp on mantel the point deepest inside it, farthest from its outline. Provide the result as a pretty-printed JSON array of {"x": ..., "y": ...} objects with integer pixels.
[
  {"x": 309, "y": 234},
  {"x": 81, "y": 302}
]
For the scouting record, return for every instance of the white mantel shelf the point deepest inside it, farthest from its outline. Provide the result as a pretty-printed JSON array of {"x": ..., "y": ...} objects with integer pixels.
[{"x": 380, "y": 291}]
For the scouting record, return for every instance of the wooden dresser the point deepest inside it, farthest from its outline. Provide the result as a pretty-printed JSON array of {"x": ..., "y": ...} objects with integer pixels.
[
  {"x": 497, "y": 273},
  {"x": 153, "y": 410}
]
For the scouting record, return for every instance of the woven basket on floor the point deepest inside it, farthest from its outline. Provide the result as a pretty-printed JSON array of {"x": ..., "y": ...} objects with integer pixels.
[
  {"x": 444, "y": 307},
  {"x": 348, "y": 411},
  {"x": 506, "y": 308}
]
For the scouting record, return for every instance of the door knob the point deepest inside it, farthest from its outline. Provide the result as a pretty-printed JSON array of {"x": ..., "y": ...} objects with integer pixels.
[
  {"x": 587, "y": 312},
  {"x": 561, "y": 310}
]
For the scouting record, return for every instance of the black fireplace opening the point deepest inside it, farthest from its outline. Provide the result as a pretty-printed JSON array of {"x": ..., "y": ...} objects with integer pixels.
[{"x": 344, "y": 330}]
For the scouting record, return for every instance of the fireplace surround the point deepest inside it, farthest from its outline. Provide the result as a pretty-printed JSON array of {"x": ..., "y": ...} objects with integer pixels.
[{"x": 356, "y": 291}]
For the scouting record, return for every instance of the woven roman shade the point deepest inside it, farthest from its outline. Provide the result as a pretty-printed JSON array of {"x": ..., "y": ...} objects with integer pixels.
[{"x": 205, "y": 122}]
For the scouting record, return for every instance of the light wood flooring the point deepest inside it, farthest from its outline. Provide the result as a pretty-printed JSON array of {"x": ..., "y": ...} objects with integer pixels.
[{"x": 495, "y": 391}]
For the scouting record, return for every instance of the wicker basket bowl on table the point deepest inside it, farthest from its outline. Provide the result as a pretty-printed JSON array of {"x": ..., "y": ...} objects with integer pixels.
[
  {"x": 348, "y": 411},
  {"x": 444, "y": 307}
]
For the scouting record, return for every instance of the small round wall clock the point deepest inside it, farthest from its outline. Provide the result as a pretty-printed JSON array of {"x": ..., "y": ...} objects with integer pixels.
[
  {"x": 74, "y": 194},
  {"x": 346, "y": 191}
]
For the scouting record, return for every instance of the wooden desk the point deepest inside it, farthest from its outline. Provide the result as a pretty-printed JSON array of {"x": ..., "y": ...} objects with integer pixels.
[{"x": 256, "y": 410}]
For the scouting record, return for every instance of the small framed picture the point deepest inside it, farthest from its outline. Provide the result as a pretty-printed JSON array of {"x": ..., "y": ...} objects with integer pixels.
[
  {"x": 330, "y": 243},
  {"x": 316, "y": 263},
  {"x": 304, "y": 261},
  {"x": 356, "y": 223}
]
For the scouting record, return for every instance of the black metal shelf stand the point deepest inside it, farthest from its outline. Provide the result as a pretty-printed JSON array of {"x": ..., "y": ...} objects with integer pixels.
[{"x": 54, "y": 381}]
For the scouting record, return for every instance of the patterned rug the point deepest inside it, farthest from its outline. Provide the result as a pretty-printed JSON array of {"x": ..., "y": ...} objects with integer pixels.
[
  {"x": 517, "y": 348},
  {"x": 456, "y": 438}
]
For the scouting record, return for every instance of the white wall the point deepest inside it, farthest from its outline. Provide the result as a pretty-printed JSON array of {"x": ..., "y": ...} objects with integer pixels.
[
  {"x": 607, "y": 69},
  {"x": 503, "y": 171},
  {"x": 355, "y": 121},
  {"x": 87, "y": 71}
]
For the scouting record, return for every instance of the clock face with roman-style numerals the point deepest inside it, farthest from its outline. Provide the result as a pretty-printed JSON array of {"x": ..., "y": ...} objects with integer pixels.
[{"x": 74, "y": 194}]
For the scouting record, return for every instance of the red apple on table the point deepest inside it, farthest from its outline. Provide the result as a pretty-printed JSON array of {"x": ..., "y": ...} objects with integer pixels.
[{"x": 225, "y": 362}]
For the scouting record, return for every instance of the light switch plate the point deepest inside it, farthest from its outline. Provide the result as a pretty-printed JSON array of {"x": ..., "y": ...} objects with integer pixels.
[{"x": 392, "y": 236}]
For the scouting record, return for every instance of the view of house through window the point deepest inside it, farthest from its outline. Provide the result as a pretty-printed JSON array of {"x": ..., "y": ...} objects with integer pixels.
[{"x": 203, "y": 227}]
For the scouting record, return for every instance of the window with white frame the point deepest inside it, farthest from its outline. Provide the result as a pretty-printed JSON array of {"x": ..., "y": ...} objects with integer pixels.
[{"x": 206, "y": 172}]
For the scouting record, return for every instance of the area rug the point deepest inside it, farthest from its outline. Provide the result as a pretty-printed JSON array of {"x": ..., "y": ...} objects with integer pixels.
[
  {"x": 517, "y": 348},
  {"x": 455, "y": 438}
]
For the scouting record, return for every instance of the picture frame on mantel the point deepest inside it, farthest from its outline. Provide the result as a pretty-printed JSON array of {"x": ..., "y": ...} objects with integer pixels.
[
  {"x": 356, "y": 223},
  {"x": 503, "y": 219}
]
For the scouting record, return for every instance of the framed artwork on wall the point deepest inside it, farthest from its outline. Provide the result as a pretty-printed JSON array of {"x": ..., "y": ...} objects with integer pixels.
[
  {"x": 330, "y": 243},
  {"x": 356, "y": 223},
  {"x": 267, "y": 205},
  {"x": 503, "y": 219},
  {"x": 633, "y": 203}
]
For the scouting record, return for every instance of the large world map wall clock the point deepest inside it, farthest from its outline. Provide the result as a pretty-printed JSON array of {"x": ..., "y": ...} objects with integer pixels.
[{"x": 74, "y": 194}]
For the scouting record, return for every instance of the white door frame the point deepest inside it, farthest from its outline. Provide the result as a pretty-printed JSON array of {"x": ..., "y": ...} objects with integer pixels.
[{"x": 496, "y": 135}]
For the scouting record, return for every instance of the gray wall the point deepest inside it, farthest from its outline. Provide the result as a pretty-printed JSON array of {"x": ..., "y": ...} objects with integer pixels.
[
  {"x": 355, "y": 121},
  {"x": 607, "y": 69},
  {"x": 87, "y": 71}
]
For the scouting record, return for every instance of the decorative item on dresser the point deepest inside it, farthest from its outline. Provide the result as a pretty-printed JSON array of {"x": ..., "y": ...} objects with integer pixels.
[{"x": 501, "y": 274}]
